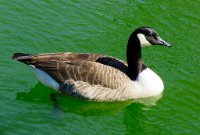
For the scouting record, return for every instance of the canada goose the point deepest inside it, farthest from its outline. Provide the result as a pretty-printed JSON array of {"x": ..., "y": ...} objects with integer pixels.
[{"x": 100, "y": 77}]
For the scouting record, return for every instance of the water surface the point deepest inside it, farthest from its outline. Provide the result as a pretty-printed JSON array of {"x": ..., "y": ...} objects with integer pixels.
[{"x": 99, "y": 27}]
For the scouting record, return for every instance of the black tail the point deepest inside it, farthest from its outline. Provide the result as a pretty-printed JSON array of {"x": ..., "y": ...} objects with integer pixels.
[{"x": 22, "y": 57}]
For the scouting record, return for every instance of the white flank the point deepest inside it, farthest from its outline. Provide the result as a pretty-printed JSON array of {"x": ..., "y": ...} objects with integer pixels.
[
  {"x": 45, "y": 78},
  {"x": 143, "y": 40}
]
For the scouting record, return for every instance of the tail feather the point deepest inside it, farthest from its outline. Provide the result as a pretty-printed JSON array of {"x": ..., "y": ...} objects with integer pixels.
[{"x": 22, "y": 57}]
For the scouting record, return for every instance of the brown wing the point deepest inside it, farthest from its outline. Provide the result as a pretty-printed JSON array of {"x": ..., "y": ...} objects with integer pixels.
[
  {"x": 68, "y": 56},
  {"x": 113, "y": 62},
  {"x": 91, "y": 68}
]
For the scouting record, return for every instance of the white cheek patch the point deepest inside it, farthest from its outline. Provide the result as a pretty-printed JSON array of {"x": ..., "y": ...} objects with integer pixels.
[{"x": 143, "y": 40}]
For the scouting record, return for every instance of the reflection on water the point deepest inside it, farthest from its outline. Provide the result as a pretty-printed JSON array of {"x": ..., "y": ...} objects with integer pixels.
[
  {"x": 129, "y": 113},
  {"x": 133, "y": 118},
  {"x": 63, "y": 103}
]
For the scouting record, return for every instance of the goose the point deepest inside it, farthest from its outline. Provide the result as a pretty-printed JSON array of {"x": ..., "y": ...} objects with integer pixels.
[{"x": 100, "y": 77}]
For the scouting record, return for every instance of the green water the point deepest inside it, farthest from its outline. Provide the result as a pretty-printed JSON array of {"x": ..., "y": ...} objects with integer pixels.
[{"x": 34, "y": 26}]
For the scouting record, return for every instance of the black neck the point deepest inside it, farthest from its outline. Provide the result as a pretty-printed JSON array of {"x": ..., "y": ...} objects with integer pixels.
[{"x": 134, "y": 58}]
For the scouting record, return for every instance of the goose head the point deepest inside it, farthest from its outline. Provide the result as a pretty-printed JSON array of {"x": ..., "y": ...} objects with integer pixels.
[
  {"x": 147, "y": 36},
  {"x": 142, "y": 36}
]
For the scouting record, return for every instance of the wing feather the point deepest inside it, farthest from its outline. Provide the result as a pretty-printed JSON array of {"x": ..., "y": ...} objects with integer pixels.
[
  {"x": 93, "y": 73},
  {"x": 94, "y": 69}
]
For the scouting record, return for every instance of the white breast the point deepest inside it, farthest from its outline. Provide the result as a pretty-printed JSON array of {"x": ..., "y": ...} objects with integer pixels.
[{"x": 147, "y": 84}]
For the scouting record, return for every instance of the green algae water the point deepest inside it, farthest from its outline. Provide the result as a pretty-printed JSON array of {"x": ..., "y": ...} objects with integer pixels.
[{"x": 33, "y": 26}]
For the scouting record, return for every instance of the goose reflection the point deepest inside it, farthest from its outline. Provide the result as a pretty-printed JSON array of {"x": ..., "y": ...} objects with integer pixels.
[{"x": 63, "y": 104}]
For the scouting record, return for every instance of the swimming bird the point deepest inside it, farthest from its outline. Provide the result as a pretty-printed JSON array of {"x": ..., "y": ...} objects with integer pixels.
[{"x": 100, "y": 77}]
